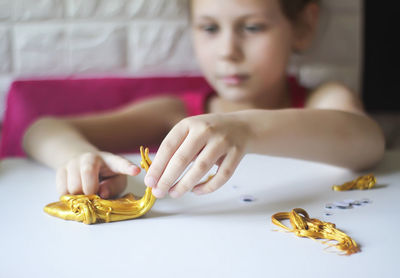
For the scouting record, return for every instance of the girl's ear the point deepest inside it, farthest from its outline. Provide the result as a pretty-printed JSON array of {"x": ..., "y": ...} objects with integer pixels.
[{"x": 305, "y": 27}]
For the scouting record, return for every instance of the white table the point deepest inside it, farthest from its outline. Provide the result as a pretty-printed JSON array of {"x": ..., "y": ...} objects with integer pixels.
[{"x": 215, "y": 235}]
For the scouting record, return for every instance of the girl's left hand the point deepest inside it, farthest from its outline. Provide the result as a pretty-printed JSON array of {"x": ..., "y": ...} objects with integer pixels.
[{"x": 205, "y": 140}]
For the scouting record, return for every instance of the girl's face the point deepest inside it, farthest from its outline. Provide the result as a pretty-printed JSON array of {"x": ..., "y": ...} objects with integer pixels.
[{"x": 242, "y": 46}]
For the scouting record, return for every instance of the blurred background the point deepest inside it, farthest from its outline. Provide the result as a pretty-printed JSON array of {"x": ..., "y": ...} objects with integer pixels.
[{"x": 103, "y": 38}]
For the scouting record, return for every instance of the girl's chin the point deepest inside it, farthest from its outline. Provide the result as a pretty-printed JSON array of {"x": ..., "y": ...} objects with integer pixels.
[{"x": 233, "y": 94}]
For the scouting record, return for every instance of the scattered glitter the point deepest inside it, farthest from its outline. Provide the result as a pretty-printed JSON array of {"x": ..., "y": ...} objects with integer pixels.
[{"x": 247, "y": 198}]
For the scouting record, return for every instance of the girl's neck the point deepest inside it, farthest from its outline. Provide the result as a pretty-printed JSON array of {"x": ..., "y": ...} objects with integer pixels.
[{"x": 276, "y": 98}]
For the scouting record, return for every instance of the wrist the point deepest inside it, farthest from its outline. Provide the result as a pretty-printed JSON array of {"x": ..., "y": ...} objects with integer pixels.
[
  {"x": 246, "y": 130},
  {"x": 261, "y": 126}
]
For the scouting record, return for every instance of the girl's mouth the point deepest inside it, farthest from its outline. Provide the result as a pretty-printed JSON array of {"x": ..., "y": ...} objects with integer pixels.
[{"x": 234, "y": 80}]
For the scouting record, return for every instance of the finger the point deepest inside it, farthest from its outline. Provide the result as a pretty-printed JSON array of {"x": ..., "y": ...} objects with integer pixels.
[
  {"x": 120, "y": 165},
  {"x": 112, "y": 187},
  {"x": 61, "y": 181},
  {"x": 74, "y": 178},
  {"x": 224, "y": 173},
  {"x": 178, "y": 163},
  {"x": 90, "y": 168},
  {"x": 168, "y": 147},
  {"x": 203, "y": 163}
]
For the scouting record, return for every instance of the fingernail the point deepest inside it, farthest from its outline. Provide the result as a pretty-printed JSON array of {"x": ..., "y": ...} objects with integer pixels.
[
  {"x": 197, "y": 191},
  {"x": 150, "y": 181},
  {"x": 157, "y": 193},
  {"x": 135, "y": 169},
  {"x": 174, "y": 194}
]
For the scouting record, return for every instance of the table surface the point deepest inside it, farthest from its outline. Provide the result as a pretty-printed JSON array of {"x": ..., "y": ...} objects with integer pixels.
[{"x": 215, "y": 235}]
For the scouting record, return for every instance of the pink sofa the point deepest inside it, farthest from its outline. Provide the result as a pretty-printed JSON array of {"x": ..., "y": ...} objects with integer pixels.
[{"x": 29, "y": 99}]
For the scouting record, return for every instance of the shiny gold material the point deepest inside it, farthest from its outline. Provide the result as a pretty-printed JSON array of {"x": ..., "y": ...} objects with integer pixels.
[
  {"x": 313, "y": 228},
  {"x": 362, "y": 183},
  {"x": 92, "y": 209}
]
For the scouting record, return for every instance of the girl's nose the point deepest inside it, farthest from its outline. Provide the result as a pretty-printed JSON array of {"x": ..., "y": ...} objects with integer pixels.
[{"x": 230, "y": 47}]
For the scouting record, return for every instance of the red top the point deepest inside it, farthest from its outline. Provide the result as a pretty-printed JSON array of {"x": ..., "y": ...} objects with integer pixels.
[
  {"x": 29, "y": 99},
  {"x": 195, "y": 101}
]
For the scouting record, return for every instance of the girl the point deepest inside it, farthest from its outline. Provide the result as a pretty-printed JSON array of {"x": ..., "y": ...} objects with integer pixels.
[{"x": 243, "y": 48}]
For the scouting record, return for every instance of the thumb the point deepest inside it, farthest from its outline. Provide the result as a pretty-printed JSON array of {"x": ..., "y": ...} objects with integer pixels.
[{"x": 120, "y": 165}]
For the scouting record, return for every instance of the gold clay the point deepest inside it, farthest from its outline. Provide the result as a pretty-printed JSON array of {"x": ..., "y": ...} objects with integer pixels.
[
  {"x": 361, "y": 183},
  {"x": 91, "y": 209},
  {"x": 304, "y": 226}
]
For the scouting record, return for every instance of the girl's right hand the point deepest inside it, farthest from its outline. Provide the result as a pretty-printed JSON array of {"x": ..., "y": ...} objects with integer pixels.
[{"x": 99, "y": 173}]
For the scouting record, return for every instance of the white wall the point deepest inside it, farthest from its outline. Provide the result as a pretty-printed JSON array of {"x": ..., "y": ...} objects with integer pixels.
[{"x": 145, "y": 37}]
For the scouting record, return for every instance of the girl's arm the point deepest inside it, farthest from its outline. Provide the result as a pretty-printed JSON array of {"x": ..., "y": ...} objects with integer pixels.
[
  {"x": 332, "y": 129},
  {"x": 72, "y": 145},
  {"x": 54, "y": 141}
]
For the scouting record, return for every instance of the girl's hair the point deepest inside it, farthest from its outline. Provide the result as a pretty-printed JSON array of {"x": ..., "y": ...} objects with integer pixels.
[{"x": 292, "y": 8}]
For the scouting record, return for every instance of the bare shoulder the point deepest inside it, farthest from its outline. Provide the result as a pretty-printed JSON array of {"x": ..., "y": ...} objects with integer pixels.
[{"x": 336, "y": 96}]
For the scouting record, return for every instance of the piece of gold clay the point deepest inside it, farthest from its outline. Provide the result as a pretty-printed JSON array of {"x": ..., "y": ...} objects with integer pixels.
[
  {"x": 361, "y": 183},
  {"x": 91, "y": 209},
  {"x": 303, "y": 226}
]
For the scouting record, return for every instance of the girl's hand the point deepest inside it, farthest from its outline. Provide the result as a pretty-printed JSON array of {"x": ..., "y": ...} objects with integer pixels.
[
  {"x": 99, "y": 173},
  {"x": 206, "y": 140}
]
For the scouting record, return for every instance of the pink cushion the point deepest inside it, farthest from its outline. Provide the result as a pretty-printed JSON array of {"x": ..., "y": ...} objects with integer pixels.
[{"x": 29, "y": 99}]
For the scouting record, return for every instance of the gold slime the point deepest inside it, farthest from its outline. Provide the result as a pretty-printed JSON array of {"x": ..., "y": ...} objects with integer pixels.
[
  {"x": 361, "y": 183},
  {"x": 304, "y": 226},
  {"x": 91, "y": 209}
]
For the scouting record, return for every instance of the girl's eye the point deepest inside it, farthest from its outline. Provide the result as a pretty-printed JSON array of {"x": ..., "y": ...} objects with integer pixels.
[
  {"x": 210, "y": 28},
  {"x": 254, "y": 28}
]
